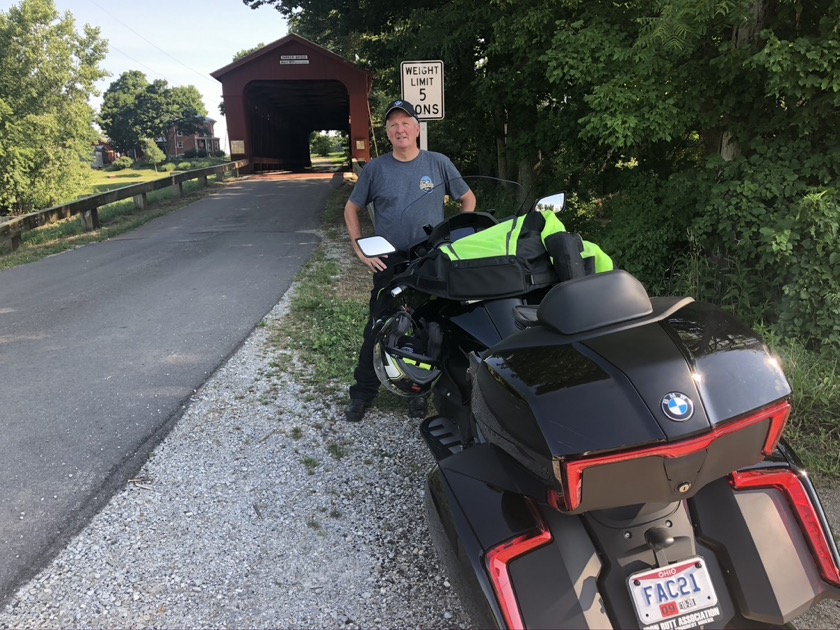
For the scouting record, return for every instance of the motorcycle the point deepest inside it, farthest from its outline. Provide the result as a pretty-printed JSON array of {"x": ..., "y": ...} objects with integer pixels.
[{"x": 603, "y": 458}]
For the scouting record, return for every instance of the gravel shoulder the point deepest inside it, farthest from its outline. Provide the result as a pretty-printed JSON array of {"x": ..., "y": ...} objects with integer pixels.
[
  {"x": 260, "y": 509},
  {"x": 263, "y": 508}
]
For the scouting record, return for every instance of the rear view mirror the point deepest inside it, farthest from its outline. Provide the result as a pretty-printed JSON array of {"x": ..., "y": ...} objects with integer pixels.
[
  {"x": 375, "y": 246},
  {"x": 553, "y": 203}
]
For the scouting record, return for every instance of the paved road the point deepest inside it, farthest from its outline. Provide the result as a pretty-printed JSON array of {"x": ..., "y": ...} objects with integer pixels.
[{"x": 101, "y": 346}]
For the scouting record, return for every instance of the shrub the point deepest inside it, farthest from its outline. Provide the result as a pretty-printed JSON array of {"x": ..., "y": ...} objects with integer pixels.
[
  {"x": 806, "y": 244},
  {"x": 648, "y": 226},
  {"x": 184, "y": 166},
  {"x": 122, "y": 163},
  {"x": 168, "y": 167},
  {"x": 190, "y": 153},
  {"x": 771, "y": 232},
  {"x": 219, "y": 154},
  {"x": 153, "y": 153},
  {"x": 321, "y": 144}
]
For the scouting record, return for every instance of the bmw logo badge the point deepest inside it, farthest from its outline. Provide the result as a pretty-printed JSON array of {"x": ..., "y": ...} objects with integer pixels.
[{"x": 677, "y": 406}]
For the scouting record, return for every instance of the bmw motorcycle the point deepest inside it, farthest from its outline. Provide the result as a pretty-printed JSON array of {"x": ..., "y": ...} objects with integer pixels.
[{"x": 604, "y": 459}]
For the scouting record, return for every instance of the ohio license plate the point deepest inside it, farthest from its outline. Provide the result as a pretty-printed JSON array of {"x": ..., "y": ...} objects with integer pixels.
[{"x": 682, "y": 588}]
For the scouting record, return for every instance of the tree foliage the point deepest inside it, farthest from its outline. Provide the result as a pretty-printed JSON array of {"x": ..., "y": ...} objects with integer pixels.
[
  {"x": 152, "y": 152},
  {"x": 698, "y": 137},
  {"x": 47, "y": 72},
  {"x": 321, "y": 144},
  {"x": 134, "y": 109},
  {"x": 118, "y": 113}
]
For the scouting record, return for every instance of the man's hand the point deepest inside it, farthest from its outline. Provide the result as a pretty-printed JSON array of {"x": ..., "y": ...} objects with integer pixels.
[{"x": 374, "y": 264}]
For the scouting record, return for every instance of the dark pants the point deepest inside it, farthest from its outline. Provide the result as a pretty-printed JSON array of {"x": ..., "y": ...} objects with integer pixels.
[{"x": 367, "y": 383}]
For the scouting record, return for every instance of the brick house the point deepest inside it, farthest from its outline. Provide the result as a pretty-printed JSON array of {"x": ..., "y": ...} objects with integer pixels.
[{"x": 179, "y": 143}]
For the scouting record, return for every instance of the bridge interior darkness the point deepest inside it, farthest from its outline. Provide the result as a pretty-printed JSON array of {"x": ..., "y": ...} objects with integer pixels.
[{"x": 282, "y": 114}]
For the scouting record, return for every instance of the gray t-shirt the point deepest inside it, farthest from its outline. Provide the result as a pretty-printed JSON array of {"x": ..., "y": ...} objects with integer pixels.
[{"x": 407, "y": 195}]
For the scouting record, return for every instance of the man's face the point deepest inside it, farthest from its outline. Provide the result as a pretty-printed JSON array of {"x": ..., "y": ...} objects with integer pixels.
[{"x": 403, "y": 130}]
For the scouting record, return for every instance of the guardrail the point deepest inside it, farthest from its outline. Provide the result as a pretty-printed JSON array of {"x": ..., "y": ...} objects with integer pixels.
[{"x": 13, "y": 229}]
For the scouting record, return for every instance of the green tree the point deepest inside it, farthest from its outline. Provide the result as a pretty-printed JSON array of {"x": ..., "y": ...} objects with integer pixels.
[
  {"x": 321, "y": 144},
  {"x": 153, "y": 153},
  {"x": 118, "y": 115},
  {"x": 726, "y": 109},
  {"x": 134, "y": 109},
  {"x": 246, "y": 51},
  {"x": 47, "y": 73}
]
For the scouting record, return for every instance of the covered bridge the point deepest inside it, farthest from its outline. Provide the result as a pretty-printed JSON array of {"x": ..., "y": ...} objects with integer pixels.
[{"x": 276, "y": 96}]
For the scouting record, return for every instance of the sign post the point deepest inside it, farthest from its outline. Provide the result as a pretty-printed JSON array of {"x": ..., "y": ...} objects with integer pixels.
[{"x": 422, "y": 86}]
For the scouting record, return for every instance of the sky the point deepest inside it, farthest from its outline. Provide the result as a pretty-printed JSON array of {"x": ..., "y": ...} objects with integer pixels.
[{"x": 181, "y": 41}]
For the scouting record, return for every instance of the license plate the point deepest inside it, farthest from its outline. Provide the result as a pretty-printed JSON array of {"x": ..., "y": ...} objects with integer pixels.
[{"x": 673, "y": 591}]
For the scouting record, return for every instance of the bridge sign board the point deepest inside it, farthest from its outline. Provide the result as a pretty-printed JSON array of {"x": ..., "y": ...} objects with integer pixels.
[{"x": 422, "y": 86}]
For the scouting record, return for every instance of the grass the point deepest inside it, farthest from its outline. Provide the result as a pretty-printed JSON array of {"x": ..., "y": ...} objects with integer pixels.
[
  {"x": 106, "y": 179},
  {"x": 336, "y": 159},
  {"x": 337, "y": 451},
  {"x": 814, "y": 426},
  {"x": 311, "y": 464},
  {"x": 116, "y": 218}
]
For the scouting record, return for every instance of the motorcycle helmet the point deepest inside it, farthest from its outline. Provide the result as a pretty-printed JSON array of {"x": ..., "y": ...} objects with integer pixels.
[{"x": 406, "y": 354}]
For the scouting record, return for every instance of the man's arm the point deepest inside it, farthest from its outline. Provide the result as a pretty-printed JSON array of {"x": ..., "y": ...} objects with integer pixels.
[
  {"x": 354, "y": 231},
  {"x": 468, "y": 202}
]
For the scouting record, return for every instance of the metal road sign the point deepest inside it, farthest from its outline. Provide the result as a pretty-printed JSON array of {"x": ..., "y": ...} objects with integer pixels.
[{"x": 422, "y": 86}]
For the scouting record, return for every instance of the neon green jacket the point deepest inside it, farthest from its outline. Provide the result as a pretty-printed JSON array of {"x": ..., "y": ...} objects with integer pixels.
[{"x": 503, "y": 239}]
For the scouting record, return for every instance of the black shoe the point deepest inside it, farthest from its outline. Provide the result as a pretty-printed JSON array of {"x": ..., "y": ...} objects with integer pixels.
[
  {"x": 355, "y": 411},
  {"x": 417, "y": 407}
]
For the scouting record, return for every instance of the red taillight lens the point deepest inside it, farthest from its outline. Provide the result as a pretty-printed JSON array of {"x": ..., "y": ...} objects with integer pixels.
[
  {"x": 498, "y": 559},
  {"x": 573, "y": 471},
  {"x": 789, "y": 484}
]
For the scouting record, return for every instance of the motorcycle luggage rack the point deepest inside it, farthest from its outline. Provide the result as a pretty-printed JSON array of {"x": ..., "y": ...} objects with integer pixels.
[{"x": 442, "y": 436}]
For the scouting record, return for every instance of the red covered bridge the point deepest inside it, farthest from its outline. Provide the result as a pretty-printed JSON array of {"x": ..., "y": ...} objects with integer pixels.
[{"x": 276, "y": 96}]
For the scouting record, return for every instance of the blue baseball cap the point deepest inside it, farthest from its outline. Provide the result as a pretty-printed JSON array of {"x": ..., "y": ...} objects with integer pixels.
[{"x": 405, "y": 106}]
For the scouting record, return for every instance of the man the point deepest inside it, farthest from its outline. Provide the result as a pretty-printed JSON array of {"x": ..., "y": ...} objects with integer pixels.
[{"x": 407, "y": 189}]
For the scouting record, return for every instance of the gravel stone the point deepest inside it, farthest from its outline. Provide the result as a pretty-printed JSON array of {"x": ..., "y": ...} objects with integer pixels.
[{"x": 242, "y": 517}]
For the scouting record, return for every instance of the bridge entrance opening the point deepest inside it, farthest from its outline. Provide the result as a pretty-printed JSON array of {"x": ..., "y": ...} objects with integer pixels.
[{"x": 283, "y": 114}]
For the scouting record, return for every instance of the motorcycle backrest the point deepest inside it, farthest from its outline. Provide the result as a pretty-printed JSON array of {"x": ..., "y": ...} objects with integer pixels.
[{"x": 593, "y": 302}]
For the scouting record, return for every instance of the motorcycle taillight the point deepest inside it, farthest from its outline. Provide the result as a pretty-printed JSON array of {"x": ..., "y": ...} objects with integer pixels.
[
  {"x": 499, "y": 557},
  {"x": 572, "y": 473},
  {"x": 789, "y": 484}
]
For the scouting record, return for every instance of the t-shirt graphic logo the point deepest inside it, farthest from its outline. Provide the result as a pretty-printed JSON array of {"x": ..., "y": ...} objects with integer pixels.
[{"x": 426, "y": 183}]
